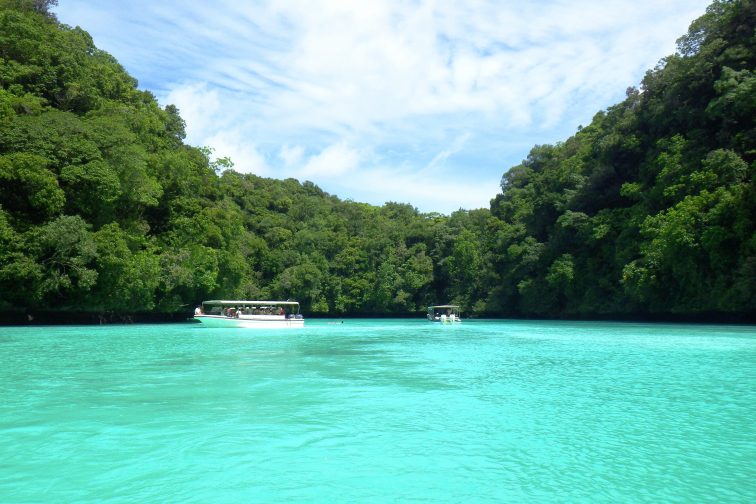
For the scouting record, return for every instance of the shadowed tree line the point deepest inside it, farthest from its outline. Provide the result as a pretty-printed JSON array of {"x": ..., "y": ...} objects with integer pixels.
[{"x": 103, "y": 208}]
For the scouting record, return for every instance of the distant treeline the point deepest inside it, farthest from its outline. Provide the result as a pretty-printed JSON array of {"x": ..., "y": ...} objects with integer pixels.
[{"x": 647, "y": 211}]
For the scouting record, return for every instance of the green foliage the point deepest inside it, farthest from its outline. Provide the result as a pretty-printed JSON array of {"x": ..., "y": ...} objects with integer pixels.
[
  {"x": 127, "y": 279},
  {"x": 28, "y": 188},
  {"x": 648, "y": 209},
  {"x": 66, "y": 252}
]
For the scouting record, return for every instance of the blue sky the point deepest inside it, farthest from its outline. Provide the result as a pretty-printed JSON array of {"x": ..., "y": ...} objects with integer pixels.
[{"x": 424, "y": 102}]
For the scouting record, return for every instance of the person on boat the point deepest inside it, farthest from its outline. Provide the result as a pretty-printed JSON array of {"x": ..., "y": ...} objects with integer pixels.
[
  {"x": 281, "y": 311},
  {"x": 198, "y": 310}
]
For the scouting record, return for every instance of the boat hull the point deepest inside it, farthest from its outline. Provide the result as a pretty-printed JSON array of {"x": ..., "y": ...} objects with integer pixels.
[
  {"x": 445, "y": 320},
  {"x": 250, "y": 322}
]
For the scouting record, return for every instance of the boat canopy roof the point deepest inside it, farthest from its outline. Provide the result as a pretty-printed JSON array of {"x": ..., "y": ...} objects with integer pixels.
[
  {"x": 248, "y": 302},
  {"x": 431, "y": 307}
]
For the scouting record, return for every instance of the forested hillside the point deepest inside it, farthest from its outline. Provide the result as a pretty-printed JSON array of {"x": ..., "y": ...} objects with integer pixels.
[
  {"x": 650, "y": 208},
  {"x": 104, "y": 209}
]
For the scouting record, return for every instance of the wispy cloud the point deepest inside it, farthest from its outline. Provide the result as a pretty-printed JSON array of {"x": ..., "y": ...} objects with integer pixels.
[
  {"x": 334, "y": 161},
  {"x": 455, "y": 147},
  {"x": 291, "y": 155},
  {"x": 364, "y": 97}
]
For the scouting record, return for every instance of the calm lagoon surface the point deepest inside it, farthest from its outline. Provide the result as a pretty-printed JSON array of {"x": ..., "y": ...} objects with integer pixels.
[{"x": 379, "y": 411}]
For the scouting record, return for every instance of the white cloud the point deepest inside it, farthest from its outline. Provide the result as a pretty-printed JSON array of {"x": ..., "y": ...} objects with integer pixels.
[
  {"x": 428, "y": 191},
  {"x": 291, "y": 156},
  {"x": 455, "y": 147},
  {"x": 363, "y": 90},
  {"x": 335, "y": 160},
  {"x": 200, "y": 107},
  {"x": 244, "y": 154}
]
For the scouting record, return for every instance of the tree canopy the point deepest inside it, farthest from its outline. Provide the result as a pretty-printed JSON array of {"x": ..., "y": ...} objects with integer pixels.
[{"x": 647, "y": 210}]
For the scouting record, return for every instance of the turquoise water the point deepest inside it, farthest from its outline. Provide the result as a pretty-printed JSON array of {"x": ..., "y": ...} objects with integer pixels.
[{"x": 379, "y": 411}]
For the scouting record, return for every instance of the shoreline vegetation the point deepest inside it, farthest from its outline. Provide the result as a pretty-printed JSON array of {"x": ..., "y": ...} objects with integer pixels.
[
  {"x": 106, "y": 215},
  {"x": 48, "y": 318}
]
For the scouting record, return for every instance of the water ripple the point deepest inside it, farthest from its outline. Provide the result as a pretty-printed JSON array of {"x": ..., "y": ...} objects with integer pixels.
[{"x": 380, "y": 411}]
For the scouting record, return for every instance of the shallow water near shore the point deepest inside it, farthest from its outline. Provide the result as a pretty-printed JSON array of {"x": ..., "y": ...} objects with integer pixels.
[{"x": 379, "y": 411}]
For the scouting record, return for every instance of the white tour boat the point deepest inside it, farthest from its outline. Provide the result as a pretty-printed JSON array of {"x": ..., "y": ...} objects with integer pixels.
[
  {"x": 445, "y": 314},
  {"x": 249, "y": 314}
]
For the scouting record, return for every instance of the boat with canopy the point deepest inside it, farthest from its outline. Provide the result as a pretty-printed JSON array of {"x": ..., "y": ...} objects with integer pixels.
[
  {"x": 445, "y": 314},
  {"x": 249, "y": 314}
]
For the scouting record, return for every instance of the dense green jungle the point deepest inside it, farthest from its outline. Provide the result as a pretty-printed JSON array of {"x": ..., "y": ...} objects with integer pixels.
[{"x": 648, "y": 211}]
